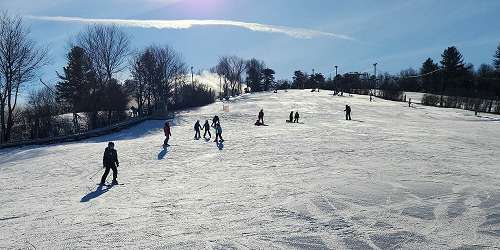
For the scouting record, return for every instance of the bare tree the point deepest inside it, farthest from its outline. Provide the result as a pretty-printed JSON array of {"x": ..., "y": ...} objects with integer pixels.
[
  {"x": 157, "y": 70},
  {"x": 232, "y": 68},
  {"x": 108, "y": 47},
  {"x": 20, "y": 61}
]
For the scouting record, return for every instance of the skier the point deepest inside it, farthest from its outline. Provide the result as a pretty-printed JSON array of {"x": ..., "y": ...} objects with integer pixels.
[
  {"x": 291, "y": 117},
  {"x": 261, "y": 116},
  {"x": 347, "y": 112},
  {"x": 370, "y": 97},
  {"x": 296, "y": 120},
  {"x": 206, "y": 126},
  {"x": 166, "y": 130},
  {"x": 197, "y": 128},
  {"x": 409, "y": 102},
  {"x": 110, "y": 161},
  {"x": 218, "y": 133},
  {"x": 215, "y": 120}
]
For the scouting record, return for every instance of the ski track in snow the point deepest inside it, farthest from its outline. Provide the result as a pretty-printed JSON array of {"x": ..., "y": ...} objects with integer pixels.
[{"x": 393, "y": 177}]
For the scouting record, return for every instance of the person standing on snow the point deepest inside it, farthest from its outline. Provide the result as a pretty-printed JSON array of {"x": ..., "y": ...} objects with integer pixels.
[
  {"x": 197, "y": 128},
  {"x": 296, "y": 120},
  {"x": 218, "y": 133},
  {"x": 261, "y": 116},
  {"x": 166, "y": 130},
  {"x": 347, "y": 112},
  {"x": 110, "y": 161},
  {"x": 215, "y": 120},
  {"x": 206, "y": 127},
  {"x": 291, "y": 117}
]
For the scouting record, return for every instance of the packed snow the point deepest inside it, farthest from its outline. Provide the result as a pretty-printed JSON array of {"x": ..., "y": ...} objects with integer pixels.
[{"x": 393, "y": 177}]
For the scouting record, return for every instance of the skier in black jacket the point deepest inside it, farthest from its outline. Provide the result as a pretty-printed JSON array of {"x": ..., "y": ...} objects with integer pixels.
[
  {"x": 197, "y": 128},
  {"x": 110, "y": 161},
  {"x": 206, "y": 127}
]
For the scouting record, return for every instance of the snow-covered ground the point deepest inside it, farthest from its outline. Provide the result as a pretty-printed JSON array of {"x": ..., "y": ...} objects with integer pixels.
[{"x": 393, "y": 177}]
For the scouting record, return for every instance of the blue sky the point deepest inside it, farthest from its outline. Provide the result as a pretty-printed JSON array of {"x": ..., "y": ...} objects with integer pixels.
[{"x": 354, "y": 34}]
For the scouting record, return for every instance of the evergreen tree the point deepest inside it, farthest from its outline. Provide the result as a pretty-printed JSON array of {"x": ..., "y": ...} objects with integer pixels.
[
  {"x": 268, "y": 77},
  {"x": 430, "y": 78},
  {"x": 299, "y": 79},
  {"x": 254, "y": 74},
  {"x": 73, "y": 89},
  {"x": 453, "y": 68},
  {"x": 496, "y": 60}
]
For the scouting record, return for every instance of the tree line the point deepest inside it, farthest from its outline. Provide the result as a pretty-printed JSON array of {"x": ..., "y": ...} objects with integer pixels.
[
  {"x": 452, "y": 76},
  {"x": 88, "y": 94}
]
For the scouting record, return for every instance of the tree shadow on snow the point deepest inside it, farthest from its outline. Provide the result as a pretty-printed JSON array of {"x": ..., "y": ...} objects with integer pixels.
[
  {"x": 94, "y": 194},
  {"x": 140, "y": 130}
]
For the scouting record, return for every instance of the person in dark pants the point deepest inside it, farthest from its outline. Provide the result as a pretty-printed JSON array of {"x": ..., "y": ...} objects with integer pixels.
[
  {"x": 197, "y": 128},
  {"x": 291, "y": 117},
  {"x": 110, "y": 161},
  {"x": 206, "y": 126},
  {"x": 215, "y": 121},
  {"x": 347, "y": 112},
  {"x": 296, "y": 120},
  {"x": 166, "y": 130},
  {"x": 218, "y": 133},
  {"x": 261, "y": 116}
]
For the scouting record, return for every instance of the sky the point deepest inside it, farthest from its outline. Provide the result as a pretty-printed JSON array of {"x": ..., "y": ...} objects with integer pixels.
[{"x": 287, "y": 35}]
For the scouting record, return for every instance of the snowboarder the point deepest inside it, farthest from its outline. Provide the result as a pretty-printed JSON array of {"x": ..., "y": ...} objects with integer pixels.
[
  {"x": 206, "y": 126},
  {"x": 296, "y": 120},
  {"x": 291, "y": 117},
  {"x": 218, "y": 133},
  {"x": 347, "y": 112},
  {"x": 215, "y": 120},
  {"x": 261, "y": 116},
  {"x": 110, "y": 161},
  {"x": 197, "y": 128},
  {"x": 166, "y": 130}
]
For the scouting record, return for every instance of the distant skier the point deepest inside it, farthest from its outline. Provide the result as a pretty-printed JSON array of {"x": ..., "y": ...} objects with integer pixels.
[
  {"x": 409, "y": 102},
  {"x": 215, "y": 120},
  {"x": 110, "y": 161},
  {"x": 291, "y": 117},
  {"x": 197, "y": 128},
  {"x": 261, "y": 116},
  {"x": 218, "y": 133},
  {"x": 347, "y": 112},
  {"x": 166, "y": 130},
  {"x": 206, "y": 127},
  {"x": 371, "y": 97},
  {"x": 296, "y": 120}
]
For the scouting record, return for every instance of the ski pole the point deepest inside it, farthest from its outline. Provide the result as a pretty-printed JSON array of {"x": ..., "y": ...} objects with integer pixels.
[{"x": 95, "y": 173}]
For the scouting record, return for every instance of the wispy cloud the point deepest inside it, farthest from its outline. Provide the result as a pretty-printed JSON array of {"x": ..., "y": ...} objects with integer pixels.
[{"x": 186, "y": 24}]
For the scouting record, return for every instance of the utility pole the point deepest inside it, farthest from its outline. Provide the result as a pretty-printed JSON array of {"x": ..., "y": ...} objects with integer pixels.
[
  {"x": 192, "y": 76},
  {"x": 335, "y": 80},
  {"x": 375, "y": 74}
]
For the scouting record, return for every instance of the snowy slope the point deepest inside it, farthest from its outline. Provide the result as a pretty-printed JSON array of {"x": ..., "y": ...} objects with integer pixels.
[{"x": 393, "y": 177}]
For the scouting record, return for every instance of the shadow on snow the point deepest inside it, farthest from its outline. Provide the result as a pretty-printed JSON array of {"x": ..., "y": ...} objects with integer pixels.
[{"x": 94, "y": 194}]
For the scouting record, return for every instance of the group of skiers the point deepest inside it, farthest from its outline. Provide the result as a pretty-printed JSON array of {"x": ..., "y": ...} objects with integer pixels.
[
  {"x": 294, "y": 118},
  {"x": 215, "y": 124},
  {"x": 110, "y": 158}
]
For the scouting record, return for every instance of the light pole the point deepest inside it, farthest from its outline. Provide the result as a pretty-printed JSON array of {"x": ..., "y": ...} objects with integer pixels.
[
  {"x": 335, "y": 79},
  {"x": 375, "y": 74},
  {"x": 192, "y": 76}
]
